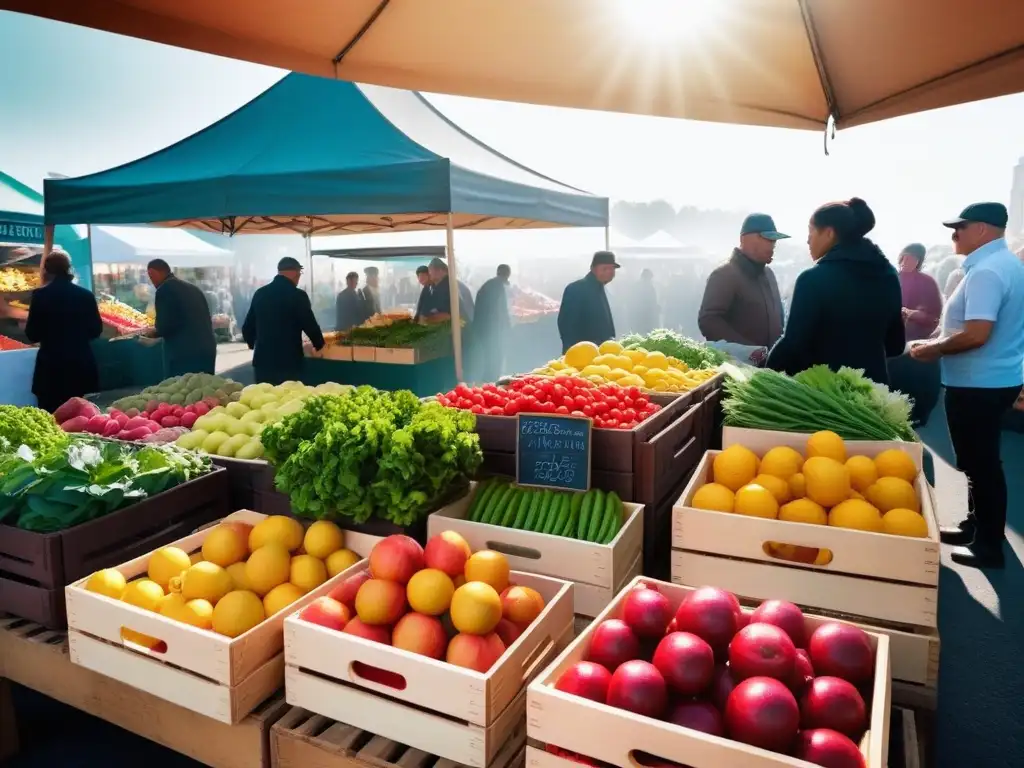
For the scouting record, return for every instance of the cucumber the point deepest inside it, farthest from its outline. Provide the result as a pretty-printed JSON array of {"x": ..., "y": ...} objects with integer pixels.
[
  {"x": 583, "y": 526},
  {"x": 613, "y": 523},
  {"x": 596, "y": 516},
  {"x": 552, "y": 519},
  {"x": 562, "y": 519},
  {"x": 531, "y": 518},
  {"x": 496, "y": 503},
  {"x": 543, "y": 507},
  {"x": 509, "y": 513},
  {"x": 575, "y": 504},
  {"x": 521, "y": 515},
  {"x": 483, "y": 492}
]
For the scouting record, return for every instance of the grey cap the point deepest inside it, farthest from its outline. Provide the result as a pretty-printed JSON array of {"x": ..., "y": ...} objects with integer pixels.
[
  {"x": 761, "y": 224},
  {"x": 436, "y": 263},
  {"x": 288, "y": 264}
]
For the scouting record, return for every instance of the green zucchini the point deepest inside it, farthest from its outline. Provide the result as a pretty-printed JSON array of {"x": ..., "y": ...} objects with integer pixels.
[
  {"x": 613, "y": 521},
  {"x": 551, "y": 519},
  {"x": 583, "y": 527},
  {"x": 496, "y": 504},
  {"x": 575, "y": 504},
  {"x": 508, "y": 515},
  {"x": 596, "y": 516},
  {"x": 537, "y": 523},
  {"x": 562, "y": 519},
  {"x": 483, "y": 492},
  {"x": 521, "y": 514}
]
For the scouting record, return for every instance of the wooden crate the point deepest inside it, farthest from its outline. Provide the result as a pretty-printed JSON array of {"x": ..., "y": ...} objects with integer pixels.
[
  {"x": 301, "y": 739},
  {"x": 881, "y": 576},
  {"x": 38, "y": 658},
  {"x": 35, "y": 567},
  {"x": 364, "y": 354},
  {"x": 246, "y": 479},
  {"x": 220, "y": 677},
  {"x": 449, "y": 711},
  {"x": 337, "y": 352},
  {"x": 611, "y": 735},
  {"x": 591, "y": 600},
  {"x": 597, "y": 566}
]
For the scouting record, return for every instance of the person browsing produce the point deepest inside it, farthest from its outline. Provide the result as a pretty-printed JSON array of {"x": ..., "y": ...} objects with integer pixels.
[
  {"x": 426, "y": 289},
  {"x": 348, "y": 307},
  {"x": 492, "y": 323},
  {"x": 585, "y": 314},
  {"x": 278, "y": 316},
  {"x": 741, "y": 301},
  {"x": 981, "y": 353},
  {"x": 183, "y": 321},
  {"x": 371, "y": 293},
  {"x": 922, "y": 300},
  {"x": 62, "y": 319},
  {"x": 847, "y": 309},
  {"x": 438, "y": 306}
]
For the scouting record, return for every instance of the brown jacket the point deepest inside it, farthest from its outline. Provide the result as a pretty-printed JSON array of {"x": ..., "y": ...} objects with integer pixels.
[{"x": 741, "y": 304}]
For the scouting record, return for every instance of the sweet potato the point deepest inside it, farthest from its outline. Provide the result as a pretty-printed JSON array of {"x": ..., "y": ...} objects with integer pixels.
[
  {"x": 111, "y": 428},
  {"x": 134, "y": 434},
  {"x": 135, "y": 422},
  {"x": 97, "y": 424},
  {"x": 76, "y": 424},
  {"x": 76, "y": 406}
]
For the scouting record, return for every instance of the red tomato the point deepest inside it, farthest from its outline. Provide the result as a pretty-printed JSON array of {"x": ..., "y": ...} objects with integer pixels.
[
  {"x": 629, "y": 415},
  {"x": 496, "y": 410},
  {"x": 578, "y": 413},
  {"x": 615, "y": 413},
  {"x": 640, "y": 402},
  {"x": 562, "y": 410},
  {"x": 477, "y": 409},
  {"x": 588, "y": 411},
  {"x": 580, "y": 401},
  {"x": 610, "y": 424},
  {"x": 600, "y": 407},
  {"x": 569, "y": 402}
]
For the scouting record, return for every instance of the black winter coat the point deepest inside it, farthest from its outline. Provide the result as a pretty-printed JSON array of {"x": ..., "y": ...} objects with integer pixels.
[
  {"x": 585, "y": 314},
  {"x": 63, "y": 319},
  {"x": 278, "y": 316},
  {"x": 184, "y": 322},
  {"x": 846, "y": 310}
]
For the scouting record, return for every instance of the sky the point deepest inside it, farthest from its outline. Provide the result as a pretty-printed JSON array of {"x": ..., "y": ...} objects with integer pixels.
[{"x": 76, "y": 101}]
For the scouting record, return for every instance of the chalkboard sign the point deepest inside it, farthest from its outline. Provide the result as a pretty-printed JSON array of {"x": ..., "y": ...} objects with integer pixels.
[{"x": 553, "y": 451}]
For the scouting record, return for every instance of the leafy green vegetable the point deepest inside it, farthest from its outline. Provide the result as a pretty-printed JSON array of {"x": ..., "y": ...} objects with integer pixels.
[
  {"x": 694, "y": 353},
  {"x": 29, "y": 426},
  {"x": 847, "y": 403},
  {"x": 370, "y": 453},
  {"x": 72, "y": 484},
  {"x": 403, "y": 333}
]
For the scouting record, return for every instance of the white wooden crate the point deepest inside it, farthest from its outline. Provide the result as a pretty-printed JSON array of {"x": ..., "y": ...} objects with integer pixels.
[
  {"x": 590, "y": 565},
  {"x": 337, "y": 352},
  {"x": 443, "y": 709},
  {"x": 364, "y": 354},
  {"x": 613, "y": 735},
  {"x": 591, "y": 600},
  {"x": 220, "y": 677},
  {"x": 877, "y": 575}
]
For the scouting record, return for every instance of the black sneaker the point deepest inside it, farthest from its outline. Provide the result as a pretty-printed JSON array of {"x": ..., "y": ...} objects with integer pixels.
[
  {"x": 976, "y": 556},
  {"x": 957, "y": 535}
]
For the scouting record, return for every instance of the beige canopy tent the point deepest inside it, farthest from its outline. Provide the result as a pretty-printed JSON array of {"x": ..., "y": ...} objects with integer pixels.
[{"x": 785, "y": 63}]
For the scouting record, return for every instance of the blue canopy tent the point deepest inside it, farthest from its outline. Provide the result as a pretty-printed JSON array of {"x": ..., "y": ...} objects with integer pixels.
[{"x": 317, "y": 156}]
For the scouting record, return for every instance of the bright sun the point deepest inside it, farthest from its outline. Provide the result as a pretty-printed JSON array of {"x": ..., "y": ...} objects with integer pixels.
[{"x": 671, "y": 20}]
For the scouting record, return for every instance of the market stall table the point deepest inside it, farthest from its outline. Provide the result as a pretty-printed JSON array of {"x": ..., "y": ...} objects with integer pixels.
[{"x": 423, "y": 379}]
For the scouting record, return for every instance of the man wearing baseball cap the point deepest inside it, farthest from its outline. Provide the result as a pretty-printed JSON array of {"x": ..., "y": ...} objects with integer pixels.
[
  {"x": 981, "y": 352},
  {"x": 585, "y": 314},
  {"x": 278, "y": 316},
  {"x": 741, "y": 303}
]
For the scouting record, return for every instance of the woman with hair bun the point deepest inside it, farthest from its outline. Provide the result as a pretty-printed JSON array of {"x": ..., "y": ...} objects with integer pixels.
[{"x": 847, "y": 309}]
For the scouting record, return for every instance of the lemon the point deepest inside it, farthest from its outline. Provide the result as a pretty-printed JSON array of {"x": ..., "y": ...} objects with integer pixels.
[
  {"x": 307, "y": 573},
  {"x": 610, "y": 347},
  {"x": 896, "y": 463},
  {"x": 237, "y": 573},
  {"x": 225, "y": 546},
  {"x": 803, "y": 511},
  {"x": 828, "y": 481},
  {"x": 631, "y": 380},
  {"x": 735, "y": 466},
  {"x": 640, "y": 370},
  {"x": 339, "y": 561},
  {"x": 656, "y": 360},
  {"x": 756, "y": 501},
  {"x": 144, "y": 593},
  {"x": 778, "y": 487},
  {"x": 430, "y": 592},
  {"x": 857, "y": 514},
  {"x": 267, "y": 567},
  {"x": 166, "y": 563},
  {"x": 237, "y": 613},
  {"x": 904, "y": 522},
  {"x": 617, "y": 373},
  {"x": 196, "y": 613},
  {"x": 798, "y": 486},
  {"x": 857, "y": 495},
  {"x": 280, "y": 597},
  {"x": 713, "y": 496},
  {"x": 636, "y": 355},
  {"x": 893, "y": 493},
  {"x": 828, "y": 444},
  {"x": 622, "y": 361},
  {"x": 322, "y": 538},
  {"x": 862, "y": 472},
  {"x": 284, "y": 530},
  {"x": 782, "y": 461},
  {"x": 203, "y": 581},
  {"x": 581, "y": 354},
  {"x": 109, "y": 582}
]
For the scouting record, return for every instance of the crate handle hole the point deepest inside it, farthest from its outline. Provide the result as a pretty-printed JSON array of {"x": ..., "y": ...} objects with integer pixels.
[
  {"x": 137, "y": 640},
  {"x": 514, "y": 550},
  {"x": 794, "y": 553},
  {"x": 384, "y": 677},
  {"x": 641, "y": 759}
]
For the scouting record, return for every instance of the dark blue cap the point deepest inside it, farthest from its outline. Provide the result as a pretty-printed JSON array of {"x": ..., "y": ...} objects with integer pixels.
[
  {"x": 984, "y": 213},
  {"x": 288, "y": 264},
  {"x": 761, "y": 224}
]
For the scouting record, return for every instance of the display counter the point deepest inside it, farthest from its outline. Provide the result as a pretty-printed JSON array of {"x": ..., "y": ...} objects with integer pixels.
[
  {"x": 423, "y": 379},
  {"x": 16, "y": 367}
]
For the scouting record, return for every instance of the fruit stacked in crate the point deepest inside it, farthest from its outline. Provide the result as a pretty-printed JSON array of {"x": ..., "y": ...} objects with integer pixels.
[
  {"x": 707, "y": 683},
  {"x": 841, "y": 526},
  {"x": 448, "y": 636},
  {"x": 199, "y": 622}
]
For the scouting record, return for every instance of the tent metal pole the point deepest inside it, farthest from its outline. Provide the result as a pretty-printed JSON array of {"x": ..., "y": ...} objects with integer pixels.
[
  {"x": 308, "y": 240},
  {"x": 607, "y": 238},
  {"x": 47, "y": 247},
  {"x": 453, "y": 297}
]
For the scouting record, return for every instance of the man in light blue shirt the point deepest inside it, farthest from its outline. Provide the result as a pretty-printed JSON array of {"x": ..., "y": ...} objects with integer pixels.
[{"x": 981, "y": 348}]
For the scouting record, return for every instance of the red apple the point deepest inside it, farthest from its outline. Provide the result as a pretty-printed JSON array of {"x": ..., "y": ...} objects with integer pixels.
[
  {"x": 348, "y": 589},
  {"x": 647, "y": 612},
  {"x": 831, "y": 702},
  {"x": 722, "y": 684},
  {"x": 829, "y": 749},
  {"x": 712, "y": 615},
  {"x": 686, "y": 662},
  {"x": 697, "y": 716},
  {"x": 762, "y": 650},
  {"x": 638, "y": 686},
  {"x": 613, "y": 643},
  {"x": 803, "y": 672},
  {"x": 326, "y": 612},
  {"x": 762, "y": 712},
  {"x": 784, "y": 615},
  {"x": 586, "y": 679},
  {"x": 842, "y": 650}
]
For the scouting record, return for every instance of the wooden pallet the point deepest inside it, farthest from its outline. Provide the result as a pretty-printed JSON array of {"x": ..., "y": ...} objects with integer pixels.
[
  {"x": 37, "y": 658},
  {"x": 302, "y": 739}
]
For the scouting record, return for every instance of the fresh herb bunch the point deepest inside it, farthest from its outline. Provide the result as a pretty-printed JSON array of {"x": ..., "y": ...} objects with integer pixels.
[
  {"x": 29, "y": 426},
  {"x": 86, "y": 478},
  {"x": 845, "y": 402},
  {"x": 371, "y": 453},
  {"x": 403, "y": 333},
  {"x": 694, "y": 353}
]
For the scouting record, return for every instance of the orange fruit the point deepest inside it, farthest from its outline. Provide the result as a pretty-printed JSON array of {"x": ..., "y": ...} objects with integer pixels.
[{"x": 490, "y": 568}]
